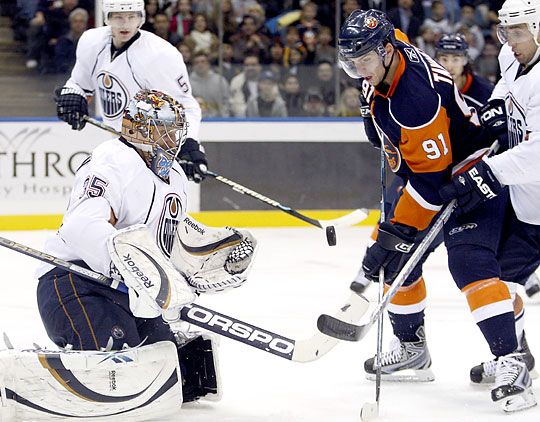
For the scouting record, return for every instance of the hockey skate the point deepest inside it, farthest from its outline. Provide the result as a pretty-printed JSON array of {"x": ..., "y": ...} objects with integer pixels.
[
  {"x": 532, "y": 287},
  {"x": 485, "y": 372},
  {"x": 404, "y": 362},
  {"x": 512, "y": 389}
]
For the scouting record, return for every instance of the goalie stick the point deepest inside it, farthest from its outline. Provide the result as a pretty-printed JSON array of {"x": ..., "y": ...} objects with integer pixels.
[
  {"x": 329, "y": 226},
  {"x": 344, "y": 330},
  {"x": 291, "y": 349}
]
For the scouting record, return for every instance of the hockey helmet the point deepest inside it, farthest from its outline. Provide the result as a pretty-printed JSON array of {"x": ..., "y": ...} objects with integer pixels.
[
  {"x": 362, "y": 32},
  {"x": 452, "y": 44},
  {"x": 110, "y": 6},
  {"x": 516, "y": 12},
  {"x": 156, "y": 125}
]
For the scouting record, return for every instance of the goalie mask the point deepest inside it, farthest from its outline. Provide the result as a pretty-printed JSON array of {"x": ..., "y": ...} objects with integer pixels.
[{"x": 155, "y": 124}]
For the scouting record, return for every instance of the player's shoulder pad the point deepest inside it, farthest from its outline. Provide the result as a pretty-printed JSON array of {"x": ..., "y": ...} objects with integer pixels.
[
  {"x": 154, "y": 47},
  {"x": 114, "y": 157},
  {"x": 94, "y": 37}
]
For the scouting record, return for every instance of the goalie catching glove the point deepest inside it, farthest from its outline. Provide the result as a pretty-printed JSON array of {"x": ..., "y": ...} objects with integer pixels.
[{"x": 213, "y": 259}]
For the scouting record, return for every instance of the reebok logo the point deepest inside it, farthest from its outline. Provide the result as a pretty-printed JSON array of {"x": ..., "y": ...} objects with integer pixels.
[
  {"x": 193, "y": 225},
  {"x": 135, "y": 270},
  {"x": 484, "y": 188}
]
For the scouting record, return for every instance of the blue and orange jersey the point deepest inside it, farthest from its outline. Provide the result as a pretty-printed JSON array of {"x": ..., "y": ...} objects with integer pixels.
[
  {"x": 426, "y": 127},
  {"x": 476, "y": 90}
]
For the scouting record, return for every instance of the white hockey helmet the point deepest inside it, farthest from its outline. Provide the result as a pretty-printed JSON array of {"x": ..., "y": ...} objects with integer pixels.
[
  {"x": 155, "y": 124},
  {"x": 110, "y": 6},
  {"x": 515, "y": 12}
]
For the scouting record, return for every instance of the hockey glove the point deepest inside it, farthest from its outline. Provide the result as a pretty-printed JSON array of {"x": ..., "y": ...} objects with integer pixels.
[
  {"x": 71, "y": 107},
  {"x": 471, "y": 188},
  {"x": 390, "y": 251},
  {"x": 195, "y": 164},
  {"x": 493, "y": 118},
  {"x": 369, "y": 126}
]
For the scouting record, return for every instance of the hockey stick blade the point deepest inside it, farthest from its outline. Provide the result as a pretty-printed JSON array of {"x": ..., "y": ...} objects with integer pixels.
[{"x": 338, "y": 328}]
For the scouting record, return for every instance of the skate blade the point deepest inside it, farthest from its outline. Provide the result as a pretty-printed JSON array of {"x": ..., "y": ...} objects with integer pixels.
[
  {"x": 406, "y": 375},
  {"x": 518, "y": 402}
]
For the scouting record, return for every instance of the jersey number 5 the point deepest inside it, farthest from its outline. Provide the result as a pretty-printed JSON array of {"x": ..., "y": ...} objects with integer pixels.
[{"x": 432, "y": 149}]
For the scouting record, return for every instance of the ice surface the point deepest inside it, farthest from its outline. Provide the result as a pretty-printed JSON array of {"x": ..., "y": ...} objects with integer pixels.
[{"x": 296, "y": 277}]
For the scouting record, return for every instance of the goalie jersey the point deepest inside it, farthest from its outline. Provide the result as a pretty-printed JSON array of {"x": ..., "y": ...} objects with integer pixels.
[
  {"x": 518, "y": 167},
  {"x": 114, "y": 76},
  {"x": 426, "y": 127},
  {"x": 114, "y": 184}
]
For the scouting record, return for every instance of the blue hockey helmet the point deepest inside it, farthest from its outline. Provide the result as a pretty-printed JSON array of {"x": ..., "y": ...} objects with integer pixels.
[
  {"x": 362, "y": 32},
  {"x": 452, "y": 44}
]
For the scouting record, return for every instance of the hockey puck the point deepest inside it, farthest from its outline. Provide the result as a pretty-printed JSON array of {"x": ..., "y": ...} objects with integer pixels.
[
  {"x": 331, "y": 235},
  {"x": 369, "y": 412}
]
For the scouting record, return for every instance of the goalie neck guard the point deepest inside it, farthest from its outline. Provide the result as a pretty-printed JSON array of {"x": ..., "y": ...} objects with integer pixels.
[{"x": 155, "y": 124}]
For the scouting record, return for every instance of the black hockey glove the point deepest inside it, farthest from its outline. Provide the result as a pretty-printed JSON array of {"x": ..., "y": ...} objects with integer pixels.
[
  {"x": 471, "y": 188},
  {"x": 71, "y": 107},
  {"x": 391, "y": 251},
  {"x": 369, "y": 127},
  {"x": 493, "y": 118},
  {"x": 196, "y": 165}
]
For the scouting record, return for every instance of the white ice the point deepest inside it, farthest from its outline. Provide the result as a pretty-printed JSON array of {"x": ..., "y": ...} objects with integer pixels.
[{"x": 295, "y": 278}]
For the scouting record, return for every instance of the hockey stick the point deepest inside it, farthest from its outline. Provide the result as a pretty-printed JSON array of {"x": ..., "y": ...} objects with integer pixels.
[
  {"x": 343, "y": 330},
  {"x": 329, "y": 226},
  {"x": 295, "y": 350}
]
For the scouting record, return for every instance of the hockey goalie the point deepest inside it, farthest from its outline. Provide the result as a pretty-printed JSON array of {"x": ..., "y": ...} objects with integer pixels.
[{"x": 121, "y": 349}]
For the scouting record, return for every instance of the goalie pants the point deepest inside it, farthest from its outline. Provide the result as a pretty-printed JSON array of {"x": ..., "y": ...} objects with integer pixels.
[{"x": 86, "y": 315}]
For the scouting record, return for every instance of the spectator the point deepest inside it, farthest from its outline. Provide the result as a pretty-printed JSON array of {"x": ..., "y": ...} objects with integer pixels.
[
  {"x": 36, "y": 34},
  {"x": 402, "y": 17},
  {"x": 257, "y": 12},
  {"x": 308, "y": 19},
  {"x": 187, "y": 54},
  {"x": 468, "y": 22},
  {"x": 426, "y": 40},
  {"x": 201, "y": 39},
  {"x": 349, "y": 105},
  {"x": 244, "y": 86},
  {"x": 161, "y": 27},
  {"x": 229, "y": 69},
  {"x": 295, "y": 66},
  {"x": 64, "y": 52},
  {"x": 210, "y": 86},
  {"x": 248, "y": 42},
  {"x": 348, "y": 7},
  {"x": 293, "y": 97},
  {"x": 474, "y": 51},
  {"x": 241, "y": 8},
  {"x": 325, "y": 82},
  {"x": 310, "y": 44},
  {"x": 292, "y": 42},
  {"x": 268, "y": 102},
  {"x": 26, "y": 10},
  {"x": 182, "y": 18},
  {"x": 151, "y": 9},
  {"x": 230, "y": 24},
  {"x": 438, "y": 21},
  {"x": 325, "y": 51},
  {"x": 314, "y": 105},
  {"x": 276, "y": 60},
  {"x": 487, "y": 65}
]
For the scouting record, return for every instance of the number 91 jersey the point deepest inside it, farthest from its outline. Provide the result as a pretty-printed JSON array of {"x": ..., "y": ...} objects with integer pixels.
[
  {"x": 114, "y": 77},
  {"x": 426, "y": 127}
]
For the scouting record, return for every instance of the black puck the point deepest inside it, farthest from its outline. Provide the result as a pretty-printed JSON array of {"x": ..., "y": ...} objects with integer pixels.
[{"x": 331, "y": 235}]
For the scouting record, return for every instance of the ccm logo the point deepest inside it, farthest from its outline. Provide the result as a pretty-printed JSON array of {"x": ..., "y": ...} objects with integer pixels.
[
  {"x": 239, "y": 330},
  {"x": 404, "y": 247},
  {"x": 484, "y": 188}
]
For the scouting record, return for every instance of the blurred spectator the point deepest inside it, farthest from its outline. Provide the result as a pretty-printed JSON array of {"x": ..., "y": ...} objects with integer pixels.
[
  {"x": 438, "y": 21},
  {"x": 292, "y": 42},
  {"x": 161, "y": 28},
  {"x": 294, "y": 65},
  {"x": 308, "y": 19},
  {"x": 249, "y": 42},
  {"x": 473, "y": 42},
  {"x": 468, "y": 21},
  {"x": 268, "y": 102},
  {"x": 349, "y": 104},
  {"x": 241, "y": 8},
  {"x": 276, "y": 60},
  {"x": 426, "y": 40},
  {"x": 325, "y": 51},
  {"x": 487, "y": 65},
  {"x": 244, "y": 86},
  {"x": 229, "y": 69},
  {"x": 348, "y": 7},
  {"x": 310, "y": 44},
  {"x": 230, "y": 24},
  {"x": 257, "y": 12},
  {"x": 200, "y": 39},
  {"x": 64, "y": 52},
  {"x": 293, "y": 97},
  {"x": 182, "y": 18},
  {"x": 314, "y": 105},
  {"x": 187, "y": 54},
  {"x": 26, "y": 10},
  {"x": 151, "y": 8},
  {"x": 325, "y": 82},
  {"x": 403, "y": 18},
  {"x": 210, "y": 86}
]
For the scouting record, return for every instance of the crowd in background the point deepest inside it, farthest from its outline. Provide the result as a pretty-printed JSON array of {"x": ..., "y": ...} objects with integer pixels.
[{"x": 271, "y": 58}]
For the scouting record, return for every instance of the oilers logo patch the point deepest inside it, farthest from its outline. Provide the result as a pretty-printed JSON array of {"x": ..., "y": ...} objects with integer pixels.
[
  {"x": 113, "y": 95},
  {"x": 168, "y": 221}
]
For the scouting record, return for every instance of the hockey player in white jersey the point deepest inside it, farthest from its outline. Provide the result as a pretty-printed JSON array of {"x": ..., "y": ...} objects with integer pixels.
[
  {"x": 117, "y": 60},
  {"x": 519, "y": 254},
  {"x": 127, "y": 219}
]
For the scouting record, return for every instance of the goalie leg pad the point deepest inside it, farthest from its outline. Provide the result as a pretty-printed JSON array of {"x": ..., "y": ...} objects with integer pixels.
[
  {"x": 213, "y": 259},
  {"x": 142, "y": 383}
]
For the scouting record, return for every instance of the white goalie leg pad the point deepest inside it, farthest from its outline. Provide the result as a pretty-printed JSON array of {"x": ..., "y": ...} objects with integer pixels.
[
  {"x": 137, "y": 384},
  {"x": 155, "y": 286},
  {"x": 213, "y": 259}
]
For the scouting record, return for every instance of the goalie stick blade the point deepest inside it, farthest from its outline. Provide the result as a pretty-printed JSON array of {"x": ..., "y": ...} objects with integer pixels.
[{"x": 341, "y": 330}]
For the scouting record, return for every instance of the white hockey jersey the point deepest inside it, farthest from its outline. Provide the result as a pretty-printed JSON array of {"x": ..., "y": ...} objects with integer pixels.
[
  {"x": 148, "y": 63},
  {"x": 519, "y": 166},
  {"x": 116, "y": 178}
]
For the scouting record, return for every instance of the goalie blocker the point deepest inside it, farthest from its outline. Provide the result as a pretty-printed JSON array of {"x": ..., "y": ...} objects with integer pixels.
[{"x": 141, "y": 383}]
